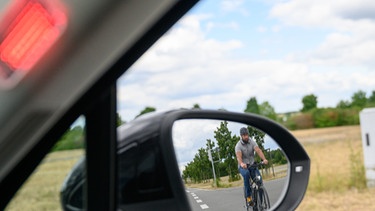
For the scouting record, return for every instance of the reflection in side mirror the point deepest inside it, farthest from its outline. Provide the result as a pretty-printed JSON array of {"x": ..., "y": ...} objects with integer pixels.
[
  {"x": 159, "y": 152},
  {"x": 205, "y": 151}
]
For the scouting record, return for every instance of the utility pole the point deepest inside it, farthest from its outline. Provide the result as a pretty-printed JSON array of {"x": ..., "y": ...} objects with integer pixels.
[
  {"x": 212, "y": 163},
  {"x": 270, "y": 155}
]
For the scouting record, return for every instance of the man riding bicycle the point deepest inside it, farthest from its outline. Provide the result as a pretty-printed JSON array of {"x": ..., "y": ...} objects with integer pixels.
[{"x": 245, "y": 149}]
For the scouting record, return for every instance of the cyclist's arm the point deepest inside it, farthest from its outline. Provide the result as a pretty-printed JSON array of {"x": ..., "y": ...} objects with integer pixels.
[
  {"x": 239, "y": 159},
  {"x": 261, "y": 155}
]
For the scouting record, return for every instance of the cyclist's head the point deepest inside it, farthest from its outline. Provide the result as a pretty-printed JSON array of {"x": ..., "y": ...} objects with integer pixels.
[
  {"x": 244, "y": 131},
  {"x": 244, "y": 134}
]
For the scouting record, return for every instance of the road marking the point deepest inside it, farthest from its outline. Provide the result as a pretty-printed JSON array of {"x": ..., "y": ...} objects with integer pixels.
[{"x": 204, "y": 206}]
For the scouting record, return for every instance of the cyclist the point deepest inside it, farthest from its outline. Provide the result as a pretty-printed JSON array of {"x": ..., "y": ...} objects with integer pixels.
[{"x": 245, "y": 149}]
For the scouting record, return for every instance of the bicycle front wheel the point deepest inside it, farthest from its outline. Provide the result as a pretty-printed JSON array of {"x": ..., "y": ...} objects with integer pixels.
[{"x": 263, "y": 201}]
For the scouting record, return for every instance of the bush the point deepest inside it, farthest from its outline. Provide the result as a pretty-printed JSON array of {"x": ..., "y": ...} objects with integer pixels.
[
  {"x": 72, "y": 139},
  {"x": 299, "y": 121},
  {"x": 348, "y": 116},
  {"x": 325, "y": 117},
  {"x": 322, "y": 117}
]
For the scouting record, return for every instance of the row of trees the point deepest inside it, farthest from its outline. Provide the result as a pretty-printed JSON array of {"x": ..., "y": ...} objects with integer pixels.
[
  {"x": 346, "y": 112},
  {"x": 199, "y": 169},
  {"x": 310, "y": 116},
  {"x": 358, "y": 100}
]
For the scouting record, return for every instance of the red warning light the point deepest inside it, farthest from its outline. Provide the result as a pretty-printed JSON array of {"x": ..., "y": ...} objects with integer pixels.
[{"x": 29, "y": 29}]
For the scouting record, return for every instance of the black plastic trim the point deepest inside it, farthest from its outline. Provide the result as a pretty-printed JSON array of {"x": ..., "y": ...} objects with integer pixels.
[{"x": 101, "y": 153}]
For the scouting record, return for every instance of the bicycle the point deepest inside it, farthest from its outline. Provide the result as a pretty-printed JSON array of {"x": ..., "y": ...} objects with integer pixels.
[{"x": 259, "y": 194}]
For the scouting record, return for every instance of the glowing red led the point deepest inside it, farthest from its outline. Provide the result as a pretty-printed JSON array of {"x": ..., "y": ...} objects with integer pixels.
[{"x": 29, "y": 29}]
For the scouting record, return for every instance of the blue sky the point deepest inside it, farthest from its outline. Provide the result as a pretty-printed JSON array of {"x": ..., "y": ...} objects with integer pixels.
[{"x": 224, "y": 52}]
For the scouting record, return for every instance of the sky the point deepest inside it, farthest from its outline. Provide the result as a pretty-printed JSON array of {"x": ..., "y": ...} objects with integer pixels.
[{"x": 223, "y": 52}]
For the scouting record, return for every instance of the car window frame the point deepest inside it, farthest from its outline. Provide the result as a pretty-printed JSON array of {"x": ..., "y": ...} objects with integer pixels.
[{"x": 87, "y": 104}]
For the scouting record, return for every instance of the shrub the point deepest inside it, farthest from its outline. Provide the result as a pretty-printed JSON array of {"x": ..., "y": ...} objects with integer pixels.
[
  {"x": 299, "y": 121},
  {"x": 72, "y": 139}
]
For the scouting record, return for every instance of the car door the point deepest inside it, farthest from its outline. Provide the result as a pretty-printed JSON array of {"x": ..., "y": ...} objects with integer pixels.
[{"x": 92, "y": 44}]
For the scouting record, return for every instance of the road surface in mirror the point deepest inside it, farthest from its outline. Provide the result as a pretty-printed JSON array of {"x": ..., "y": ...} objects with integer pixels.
[{"x": 205, "y": 151}]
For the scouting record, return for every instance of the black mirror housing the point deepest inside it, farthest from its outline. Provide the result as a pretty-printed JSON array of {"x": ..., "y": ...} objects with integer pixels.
[{"x": 149, "y": 176}]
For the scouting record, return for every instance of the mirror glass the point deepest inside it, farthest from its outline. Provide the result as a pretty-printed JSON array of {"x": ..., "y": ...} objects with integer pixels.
[{"x": 205, "y": 151}]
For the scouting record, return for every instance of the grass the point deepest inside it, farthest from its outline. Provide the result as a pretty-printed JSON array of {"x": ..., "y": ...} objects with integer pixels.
[
  {"x": 336, "y": 164},
  {"x": 41, "y": 191},
  {"x": 336, "y": 180},
  {"x": 337, "y": 175}
]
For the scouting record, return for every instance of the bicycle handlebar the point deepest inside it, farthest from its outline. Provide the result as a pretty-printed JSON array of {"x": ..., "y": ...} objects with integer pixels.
[{"x": 255, "y": 164}]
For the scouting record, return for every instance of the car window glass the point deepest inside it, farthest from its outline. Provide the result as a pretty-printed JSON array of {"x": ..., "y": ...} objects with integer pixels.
[{"x": 42, "y": 189}]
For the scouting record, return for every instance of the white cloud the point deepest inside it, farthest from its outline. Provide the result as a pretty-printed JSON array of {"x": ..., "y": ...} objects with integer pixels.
[
  {"x": 350, "y": 23},
  {"x": 191, "y": 135},
  {"x": 187, "y": 67},
  {"x": 341, "y": 15},
  {"x": 185, "y": 46},
  {"x": 234, "y": 6}
]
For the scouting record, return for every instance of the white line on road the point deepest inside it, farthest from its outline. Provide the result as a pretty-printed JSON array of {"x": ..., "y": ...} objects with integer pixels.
[{"x": 204, "y": 206}]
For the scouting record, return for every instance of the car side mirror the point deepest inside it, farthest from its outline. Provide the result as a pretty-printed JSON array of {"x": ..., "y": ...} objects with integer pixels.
[{"x": 151, "y": 153}]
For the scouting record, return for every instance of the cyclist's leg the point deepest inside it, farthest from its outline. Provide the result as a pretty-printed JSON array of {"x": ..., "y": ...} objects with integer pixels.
[{"x": 246, "y": 176}]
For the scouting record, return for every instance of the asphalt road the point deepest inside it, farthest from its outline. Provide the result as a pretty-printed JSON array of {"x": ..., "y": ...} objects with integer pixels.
[{"x": 230, "y": 198}]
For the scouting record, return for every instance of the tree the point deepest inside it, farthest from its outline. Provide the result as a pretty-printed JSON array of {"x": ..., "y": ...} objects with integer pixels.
[
  {"x": 258, "y": 135},
  {"x": 146, "y": 110},
  {"x": 265, "y": 109},
  {"x": 309, "y": 102},
  {"x": 119, "y": 120},
  {"x": 371, "y": 99},
  {"x": 359, "y": 99},
  {"x": 343, "y": 104},
  {"x": 199, "y": 169},
  {"x": 252, "y": 106},
  {"x": 72, "y": 139},
  {"x": 196, "y": 106},
  {"x": 278, "y": 157},
  {"x": 226, "y": 143}
]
